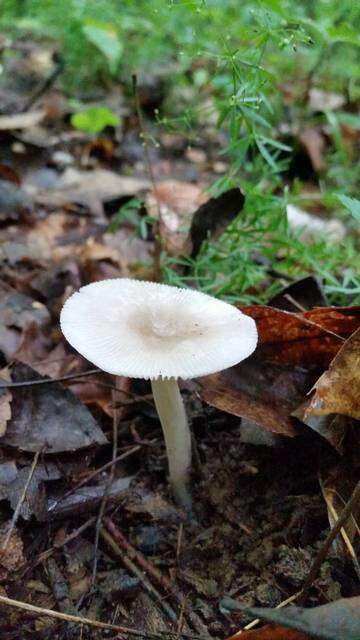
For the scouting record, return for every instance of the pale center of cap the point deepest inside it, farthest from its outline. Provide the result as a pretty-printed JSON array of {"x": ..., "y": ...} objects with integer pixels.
[{"x": 165, "y": 323}]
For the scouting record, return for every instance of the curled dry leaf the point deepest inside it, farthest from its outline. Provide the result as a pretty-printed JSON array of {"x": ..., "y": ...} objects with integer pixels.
[
  {"x": 338, "y": 389},
  {"x": 212, "y": 218},
  {"x": 293, "y": 349},
  {"x": 301, "y": 295}
]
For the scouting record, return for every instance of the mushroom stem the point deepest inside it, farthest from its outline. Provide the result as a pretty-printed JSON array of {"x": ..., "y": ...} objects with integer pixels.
[{"x": 171, "y": 410}]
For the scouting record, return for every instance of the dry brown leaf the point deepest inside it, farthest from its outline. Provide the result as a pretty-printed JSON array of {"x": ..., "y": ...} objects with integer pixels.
[
  {"x": 310, "y": 338},
  {"x": 338, "y": 389},
  {"x": 314, "y": 143},
  {"x": 312, "y": 225},
  {"x": 320, "y": 100},
  {"x": 270, "y": 633},
  {"x": 293, "y": 349},
  {"x": 177, "y": 201},
  {"x": 91, "y": 189},
  {"x": 22, "y": 120},
  {"x": 338, "y": 620},
  {"x": 48, "y": 417}
]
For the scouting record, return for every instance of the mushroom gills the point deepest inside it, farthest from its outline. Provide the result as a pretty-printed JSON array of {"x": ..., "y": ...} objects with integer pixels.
[{"x": 171, "y": 410}]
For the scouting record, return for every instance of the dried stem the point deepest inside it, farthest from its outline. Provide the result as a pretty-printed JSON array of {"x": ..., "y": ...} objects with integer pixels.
[
  {"x": 129, "y": 564},
  {"x": 157, "y": 235},
  {"x": 166, "y": 584},
  {"x": 106, "y": 490},
  {"x": 344, "y": 516},
  {"x": 18, "y": 604},
  {"x": 21, "y": 500}
]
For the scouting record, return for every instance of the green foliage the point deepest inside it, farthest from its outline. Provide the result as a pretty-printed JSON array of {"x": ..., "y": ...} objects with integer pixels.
[
  {"x": 260, "y": 253},
  {"x": 231, "y": 66},
  {"x": 130, "y": 213},
  {"x": 94, "y": 119},
  {"x": 352, "y": 205},
  {"x": 106, "y": 39}
]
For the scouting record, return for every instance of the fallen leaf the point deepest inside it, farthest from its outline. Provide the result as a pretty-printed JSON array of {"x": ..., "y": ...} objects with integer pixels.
[
  {"x": 91, "y": 393},
  {"x": 338, "y": 389},
  {"x": 13, "y": 481},
  {"x": 320, "y": 100},
  {"x": 226, "y": 392},
  {"x": 332, "y": 427},
  {"x": 90, "y": 189},
  {"x": 212, "y": 218},
  {"x": 300, "y": 295},
  {"x": 15, "y": 203},
  {"x": 177, "y": 202},
  {"x": 314, "y": 143},
  {"x": 293, "y": 349},
  {"x": 86, "y": 498},
  {"x": 17, "y": 313},
  {"x": 22, "y": 120},
  {"x": 342, "y": 321},
  {"x": 312, "y": 225},
  {"x": 312, "y": 337},
  {"x": 48, "y": 417},
  {"x": 270, "y": 633},
  {"x": 334, "y": 621}
]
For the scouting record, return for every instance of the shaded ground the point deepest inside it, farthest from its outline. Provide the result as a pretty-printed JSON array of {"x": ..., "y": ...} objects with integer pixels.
[{"x": 259, "y": 514}]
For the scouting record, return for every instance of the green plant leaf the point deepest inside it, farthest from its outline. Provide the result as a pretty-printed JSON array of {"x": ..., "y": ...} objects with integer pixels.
[
  {"x": 94, "y": 119},
  {"x": 352, "y": 205},
  {"x": 105, "y": 38}
]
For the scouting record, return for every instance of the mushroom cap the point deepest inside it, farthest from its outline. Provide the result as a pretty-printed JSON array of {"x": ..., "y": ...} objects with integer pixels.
[{"x": 148, "y": 330}]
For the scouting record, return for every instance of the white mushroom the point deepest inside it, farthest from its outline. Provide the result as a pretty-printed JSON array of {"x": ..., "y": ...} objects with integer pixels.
[{"x": 162, "y": 333}]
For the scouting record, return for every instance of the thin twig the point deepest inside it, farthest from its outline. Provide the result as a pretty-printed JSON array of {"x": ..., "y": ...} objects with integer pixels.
[
  {"x": 129, "y": 564},
  {"x": 30, "y": 383},
  {"x": 235, "y": 606},
  {"x": 344, "y": 516},
  {"x": 109, "y": 482},
  {"x": 143, "y": 135},
  {"x": 18, "y": 604},
  {"x": 21, "y": 500},
  {"x": 334, "y": 514},
  {"x": 282, "y": 604},
  {"x": 48, "y": 553},
  {"x": 154, "y": 572},
  {"x": 74, "y": 376}
]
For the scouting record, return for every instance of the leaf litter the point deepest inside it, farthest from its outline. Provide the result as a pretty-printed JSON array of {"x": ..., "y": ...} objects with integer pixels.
[{"x": 262, "y": 511}]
